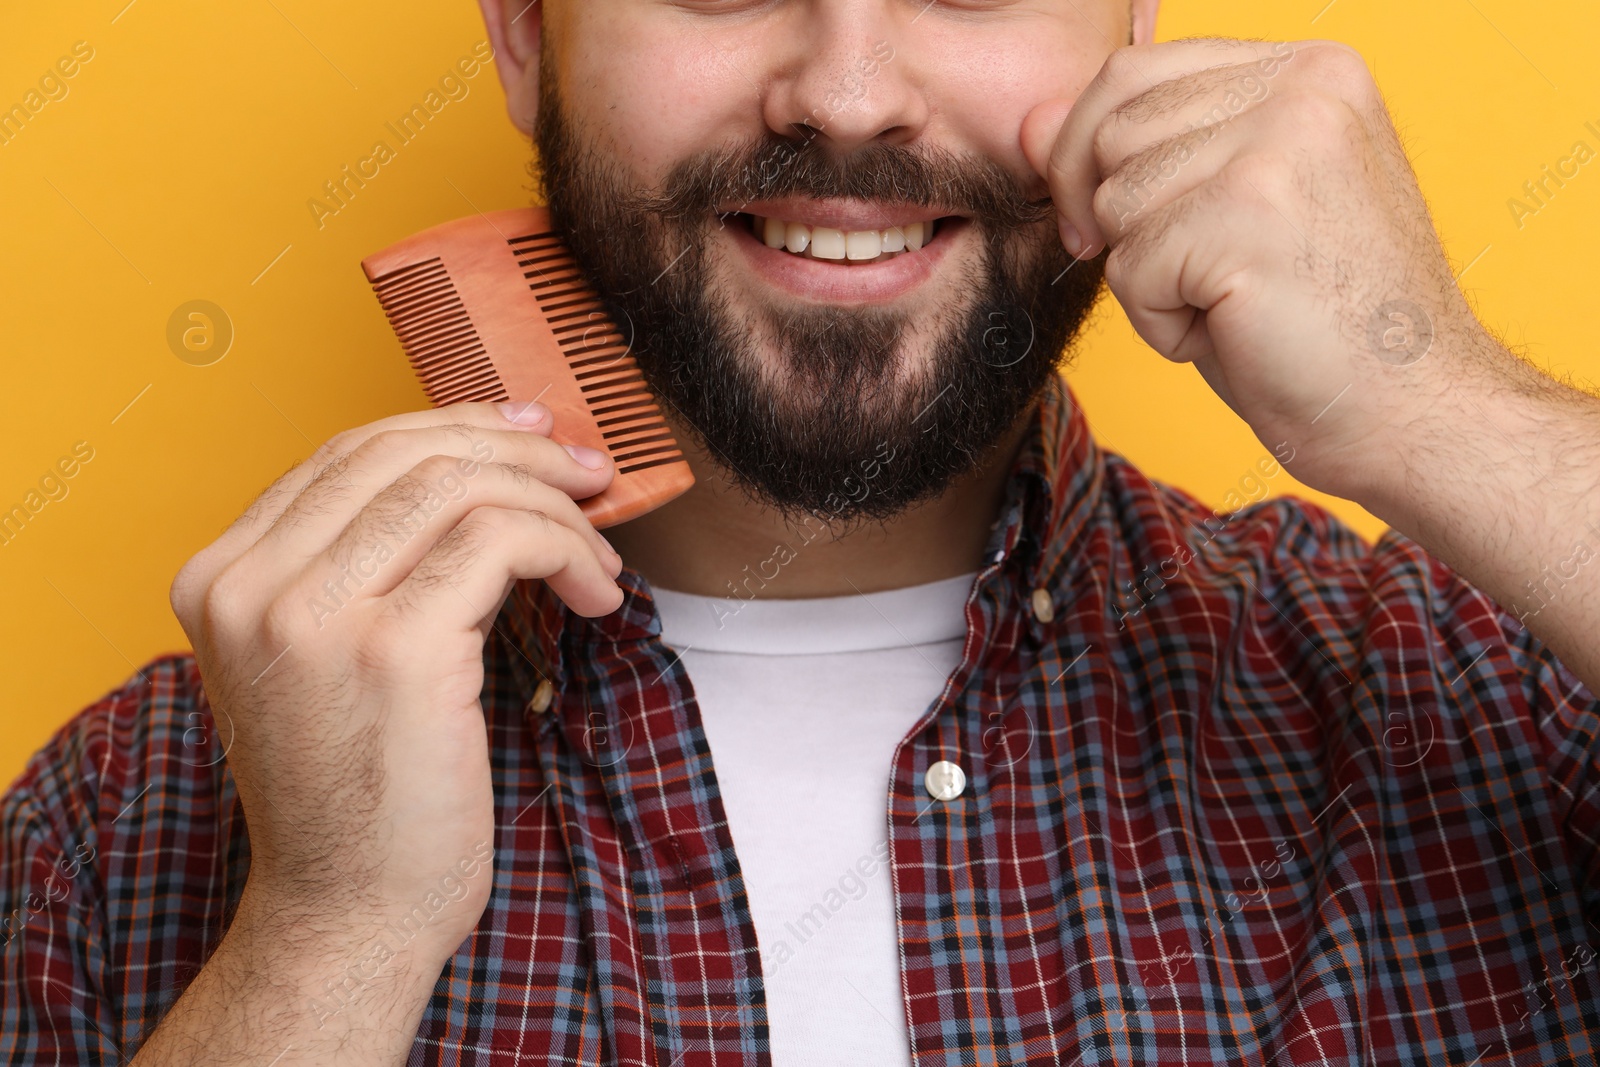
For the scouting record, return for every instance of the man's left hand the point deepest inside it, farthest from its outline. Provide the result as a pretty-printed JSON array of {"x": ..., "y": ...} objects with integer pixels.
[{"x": 1264, "y": 224}]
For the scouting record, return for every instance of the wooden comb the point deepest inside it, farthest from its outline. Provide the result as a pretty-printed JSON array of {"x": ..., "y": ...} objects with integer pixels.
[{"x": 493, "y": 307}]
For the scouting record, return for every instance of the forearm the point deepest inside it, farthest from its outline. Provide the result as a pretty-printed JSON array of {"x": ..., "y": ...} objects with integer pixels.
[
  {"x": 278, "y": 992},
  {"x": 1502, "y": 482}
]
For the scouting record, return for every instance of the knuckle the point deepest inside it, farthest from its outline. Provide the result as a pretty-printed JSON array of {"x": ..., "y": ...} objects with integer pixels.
[
  {"x": 1122, "y": 67},
  {"x": 1117, "y": 267},
  {"x": 522, "y": 474},
  {"x": 1115, "y": 204},
  {"x": 1323, "y": 116},
  {"x": 435, "y": 468},
  {"x": 406, "y": 491},
  {"x": 463, "y": 429},
  {"x": 479, "y": 527},
  {"x": 340, "y": 444},
  {"x": 223, "y": 607},
  {"x": 329, "y": 450},
  {"x": 404, "y": 496},
  {"x": 492, "y": 522},
  {"x": 1261, "y": 174},
  {"x": 332, "y": 470},
  {"x": 543, "y": 524},
  {"x": 380, "y": 446},
  {"x": 460, "y": 546},
  {"x": 327, "y": 478},
  {"x": 182, "y": 596},
  {"x": 1105, "y": 146},
  {"x": 1338, "y": 65},
  {"x": 283, "y": 618},
  {"x": 407, "y": 503},
  {"x": 1335, "y": 53}
]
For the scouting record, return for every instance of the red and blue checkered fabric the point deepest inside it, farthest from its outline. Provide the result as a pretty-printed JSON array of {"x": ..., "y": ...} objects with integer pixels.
[{"x": 1257, "y": 792}]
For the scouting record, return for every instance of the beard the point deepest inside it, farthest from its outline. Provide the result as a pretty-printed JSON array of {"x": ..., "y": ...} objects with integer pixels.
[{"x": 821, "y": 411}]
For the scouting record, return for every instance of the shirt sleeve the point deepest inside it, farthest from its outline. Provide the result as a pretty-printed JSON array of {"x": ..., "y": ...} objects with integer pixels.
[
  {"x": 66, "y": 824},
  {"x": 1568, "y": 724},
  {"x": 52, "y": 1004},
  {"x": 1485, "y": 648},
  {"x": 122, "y": 849}
]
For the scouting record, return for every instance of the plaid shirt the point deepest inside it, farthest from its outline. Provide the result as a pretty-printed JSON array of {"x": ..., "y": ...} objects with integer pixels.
[{"x": 1240, "y": 788}]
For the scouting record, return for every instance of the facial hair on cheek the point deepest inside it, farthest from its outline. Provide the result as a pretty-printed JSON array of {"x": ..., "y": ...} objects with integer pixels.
[{"x": 817, "y": 412}]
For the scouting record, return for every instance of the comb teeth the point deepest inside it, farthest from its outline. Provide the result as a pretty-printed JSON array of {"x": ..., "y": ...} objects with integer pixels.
[
  {"x": 458, "y": 297},
  {"x": 426, "y": 313},
  {"x": 612, "y": 385}
]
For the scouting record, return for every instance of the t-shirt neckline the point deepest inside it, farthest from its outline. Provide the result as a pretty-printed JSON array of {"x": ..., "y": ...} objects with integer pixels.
[{"x": 856, "y": 622}]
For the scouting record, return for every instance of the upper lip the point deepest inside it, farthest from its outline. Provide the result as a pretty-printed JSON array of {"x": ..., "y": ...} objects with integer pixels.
[{"x": 847, "y": 215}]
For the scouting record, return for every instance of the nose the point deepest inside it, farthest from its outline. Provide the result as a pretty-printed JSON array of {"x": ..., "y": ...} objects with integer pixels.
[{"x": 842, "y": 79}]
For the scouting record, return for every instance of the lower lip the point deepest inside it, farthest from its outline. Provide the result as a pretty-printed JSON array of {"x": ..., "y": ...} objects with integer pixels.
[{"x": 840, "y": 281}]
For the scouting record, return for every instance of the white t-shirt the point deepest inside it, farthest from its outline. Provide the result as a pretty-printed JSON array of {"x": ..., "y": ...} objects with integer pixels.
[{"x": 804, "y": 702}]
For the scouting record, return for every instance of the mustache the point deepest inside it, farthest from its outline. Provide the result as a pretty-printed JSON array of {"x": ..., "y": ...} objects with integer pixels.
[{"x": 772, "y": 167}]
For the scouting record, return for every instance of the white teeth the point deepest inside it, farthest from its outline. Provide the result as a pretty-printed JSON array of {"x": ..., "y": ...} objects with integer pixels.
[
  {"x": 826, "y": 242},
  {"x": 774, "y": 234},
  {"x": 863, "y": 244},
  {"x": 796, "y": 237}
]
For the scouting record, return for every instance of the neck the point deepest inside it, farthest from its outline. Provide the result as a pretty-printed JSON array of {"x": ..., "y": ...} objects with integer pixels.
[{"x": 715, "y": 541}]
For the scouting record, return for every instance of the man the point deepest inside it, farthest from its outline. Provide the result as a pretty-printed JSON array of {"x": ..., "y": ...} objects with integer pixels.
[{"x": 1026, "y": 758}]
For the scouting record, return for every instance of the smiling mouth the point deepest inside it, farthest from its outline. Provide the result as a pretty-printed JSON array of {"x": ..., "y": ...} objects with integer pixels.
[{"x": 840, "y": 246}]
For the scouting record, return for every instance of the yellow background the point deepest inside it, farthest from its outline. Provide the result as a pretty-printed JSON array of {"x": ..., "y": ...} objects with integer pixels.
[{"x": 179, "y": 165}]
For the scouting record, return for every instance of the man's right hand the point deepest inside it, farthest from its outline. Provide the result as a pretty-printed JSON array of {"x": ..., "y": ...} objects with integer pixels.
[{"x": 339, "y": 627}]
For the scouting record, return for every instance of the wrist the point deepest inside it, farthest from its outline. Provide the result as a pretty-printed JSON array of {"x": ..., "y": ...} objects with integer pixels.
[
  {"x": 337, "y": 967},
  {"x": 424, "y": 919},
  {"x": 1451, "y": 431},
  {"x": 1481, "y": 444},
  {"x": 279, "y": 982}
]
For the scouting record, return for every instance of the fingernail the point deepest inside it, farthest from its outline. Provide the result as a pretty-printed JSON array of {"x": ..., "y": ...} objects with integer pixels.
[
  {"x": 524, "y": 412},
  {"x": 1070, "y": 239},
  {"x": 608, "y": 544},
  {"x": 589, "y": 457}
]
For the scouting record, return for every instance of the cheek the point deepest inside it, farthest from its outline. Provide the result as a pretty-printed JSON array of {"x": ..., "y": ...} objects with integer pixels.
[
  {"x": 654, "y": 94},
  {"x": 983, "y": 85}
]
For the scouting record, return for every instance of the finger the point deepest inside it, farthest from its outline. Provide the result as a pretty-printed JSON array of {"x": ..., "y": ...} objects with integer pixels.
[
  {"x": 201, "y": 570},
  {"x": 1070, "y": 169},
  {"x": 479, "y": 415},
  {"x": 1202, "y": 103},
  {"x": 1187, "y": 216},
  {"x": 389, "y": 537},
  {"x": 320, "y": 514},
  {"x": 1211, "y": 370},
  {"x": 463, "y": 578},
  {"x": 1171, "y": 108},
  {"x": 531, "y": 417},
  {"x": 1162, "y": 174},
  {"x": 1146, "y": 272},
  {"x": 1185, "y": 260}
]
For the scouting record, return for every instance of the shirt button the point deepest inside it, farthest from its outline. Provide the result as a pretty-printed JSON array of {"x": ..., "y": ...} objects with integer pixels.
[
  {"x": 542, "y": 696},
  {"x": 945, "y": 780},
  {"x": 1043, "y": 610}
]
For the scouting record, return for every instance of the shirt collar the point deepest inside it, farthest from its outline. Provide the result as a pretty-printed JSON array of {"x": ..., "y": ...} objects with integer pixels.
[{"x": 1054, "y": 485}]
